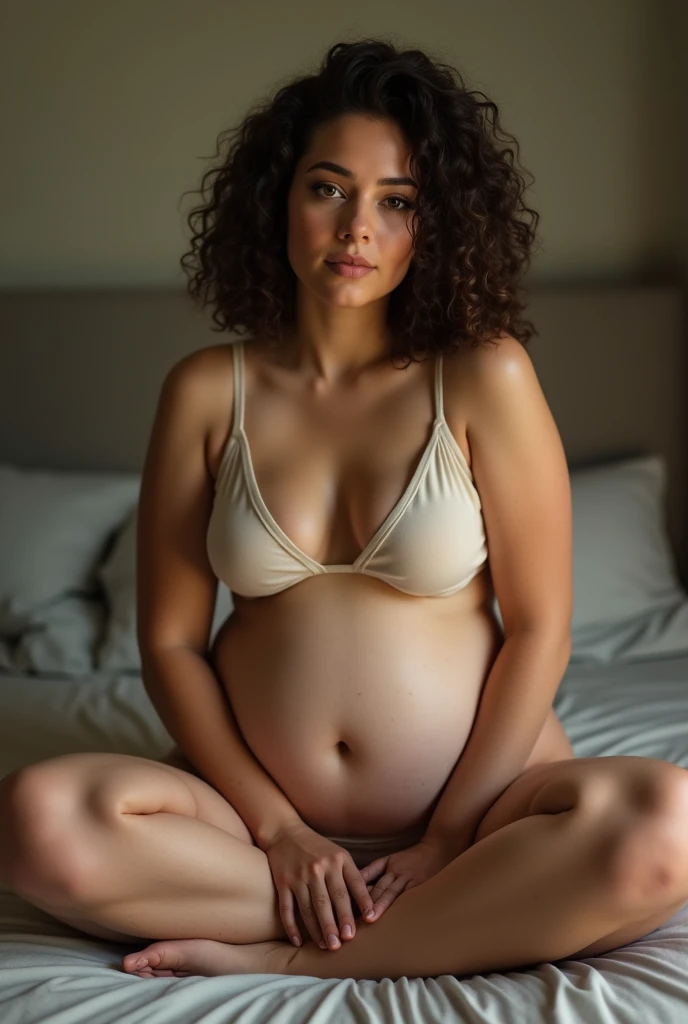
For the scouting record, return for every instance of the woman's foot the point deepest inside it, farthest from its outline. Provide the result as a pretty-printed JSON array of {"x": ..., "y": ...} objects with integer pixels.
[{"x": 180, "y": 958}]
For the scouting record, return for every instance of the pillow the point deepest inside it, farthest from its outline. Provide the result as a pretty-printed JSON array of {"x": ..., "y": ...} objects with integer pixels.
[
  {"x": 629, "y": 603},
  {"x": 6, "y": 658},
  {"x": 119, "y": 650},
  {"x": 62, "y": 640},
  {"x": 624, "y": 566},
  {"x": 662, "y": 633},
  {"x": 628, "y": 600},
  {"x": 54, "y": 530}
]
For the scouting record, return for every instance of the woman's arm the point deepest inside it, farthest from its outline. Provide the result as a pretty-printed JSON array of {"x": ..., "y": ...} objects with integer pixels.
[
  {"x": 196, "y": 712},
  {"x": 176, "y": 592},
  {"x": 521, "y": 473},
  {"x": 514, "y": 705}
]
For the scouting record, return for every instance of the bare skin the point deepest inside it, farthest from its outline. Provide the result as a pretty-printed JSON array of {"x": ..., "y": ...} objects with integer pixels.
[
  {"x": 447, "y": 925},
  {"x": 576, "y": 857}
]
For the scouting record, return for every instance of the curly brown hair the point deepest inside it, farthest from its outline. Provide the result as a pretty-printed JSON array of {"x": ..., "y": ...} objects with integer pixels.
[{"x": 470, "y": 249}]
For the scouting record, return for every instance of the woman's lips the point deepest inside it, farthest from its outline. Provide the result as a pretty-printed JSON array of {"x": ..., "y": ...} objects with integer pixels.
[{"x": 348, "y": 269}]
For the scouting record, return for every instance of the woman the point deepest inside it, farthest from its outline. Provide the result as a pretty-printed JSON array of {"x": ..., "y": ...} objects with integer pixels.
[{"x": 363, "y": 733}]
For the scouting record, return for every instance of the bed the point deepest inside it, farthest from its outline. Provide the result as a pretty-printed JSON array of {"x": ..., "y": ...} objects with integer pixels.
[{"x": 79, "y": 375}]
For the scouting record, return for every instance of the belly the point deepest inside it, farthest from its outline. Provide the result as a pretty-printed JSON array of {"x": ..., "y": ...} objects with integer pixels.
[{"x": 357, "y": 703}]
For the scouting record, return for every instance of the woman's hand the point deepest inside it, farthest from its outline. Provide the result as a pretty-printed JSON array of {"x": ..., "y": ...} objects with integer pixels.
[
  {"x": 402, "y": 870},
  {"x": 319, "y": 873}
]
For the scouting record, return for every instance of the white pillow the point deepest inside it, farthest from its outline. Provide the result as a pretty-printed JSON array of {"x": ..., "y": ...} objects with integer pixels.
[
  {"x": 119, "y": 650},
  {"x": 624, "y": 565},
  {"x": 55, "y": 528},
  {"x": 628, "y": 600},
  {"x": 63, "y": 639}
]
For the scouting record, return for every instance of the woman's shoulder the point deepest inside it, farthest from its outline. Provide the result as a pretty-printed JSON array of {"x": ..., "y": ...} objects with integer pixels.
[
  {"x": 205, "y": 374},
  {"x": 204, "y": 381},
  {"x": 468, "y": 369},
  {"x": 492, "y": 351},
  {"x": 202, "y": 362}
]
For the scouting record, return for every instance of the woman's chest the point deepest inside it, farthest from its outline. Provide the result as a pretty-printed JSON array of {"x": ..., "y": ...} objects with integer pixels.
[{"x": 329, "y": 477}]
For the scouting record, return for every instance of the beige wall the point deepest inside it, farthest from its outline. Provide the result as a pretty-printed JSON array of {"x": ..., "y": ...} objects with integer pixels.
[
  {"x": 678, "y": 26},
  {"x": 111, "y": 109}
]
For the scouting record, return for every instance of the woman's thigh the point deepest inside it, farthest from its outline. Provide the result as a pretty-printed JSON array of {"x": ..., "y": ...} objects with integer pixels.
[
  {"x": 214, "y": 808},
  {"x": 112, "y": 782},
  {"x": 33, "y": 801},
  {"x": 212, "y": 805},
  {"x": 605, "y": 782}
]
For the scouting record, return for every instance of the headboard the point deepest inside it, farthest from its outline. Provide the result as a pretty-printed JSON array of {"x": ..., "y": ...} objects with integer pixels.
[{"x": 80, "y": 373}]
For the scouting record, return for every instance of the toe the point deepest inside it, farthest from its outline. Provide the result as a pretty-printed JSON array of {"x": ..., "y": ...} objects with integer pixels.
[
  {"x": 134, "y": 962},
  {"x": 153, "y": 957}
]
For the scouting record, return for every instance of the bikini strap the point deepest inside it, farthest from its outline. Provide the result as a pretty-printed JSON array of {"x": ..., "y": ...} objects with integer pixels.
[
  {"x": 439, "y": 404},
  {"x": 238, "y": 355}
]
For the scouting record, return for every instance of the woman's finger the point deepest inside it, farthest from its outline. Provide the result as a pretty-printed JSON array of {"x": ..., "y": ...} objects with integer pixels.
[
  {"x": 286, "y": 906},
  {"x": 388, "y": 894},
  {"x": 356, "y": 885},
  {"x": 341, "y": 900},
  {"x": 381, "y": 884},
  {"x": 374, "y": 868},
  {"x": 322, "y": 903},
  {"x": 308, "y": 914}
]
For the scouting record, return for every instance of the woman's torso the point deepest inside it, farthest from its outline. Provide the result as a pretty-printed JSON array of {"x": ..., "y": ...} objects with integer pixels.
[{"x": 357, "y": 698}]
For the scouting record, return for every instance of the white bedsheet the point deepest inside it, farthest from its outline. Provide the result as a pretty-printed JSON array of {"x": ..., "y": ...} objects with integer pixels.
[{"x": 52, "y": 974}]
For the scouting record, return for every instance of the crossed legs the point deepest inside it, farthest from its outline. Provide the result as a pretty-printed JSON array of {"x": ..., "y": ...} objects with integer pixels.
[{"x": 576, "y": 857}]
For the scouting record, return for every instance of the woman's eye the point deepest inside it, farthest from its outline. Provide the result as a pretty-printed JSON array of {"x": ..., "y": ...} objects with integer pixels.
[
  {"x": 406, "y": 204},
  {"x": 316, "y": 188}
]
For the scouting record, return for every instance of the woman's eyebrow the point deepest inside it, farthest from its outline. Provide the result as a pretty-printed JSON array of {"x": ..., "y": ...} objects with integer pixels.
[{"x": 327, "y": 165}]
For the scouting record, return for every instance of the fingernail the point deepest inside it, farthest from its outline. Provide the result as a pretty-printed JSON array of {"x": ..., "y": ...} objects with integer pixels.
[
  {"x": 296, "y": 940},
  {"x": 347, "y": 931},
  {"x": 322, "y": 944},
  {"x": 333, "y": 941},
  {"x": 370, "y": 914},
  {"x": 141, "y": 963}
]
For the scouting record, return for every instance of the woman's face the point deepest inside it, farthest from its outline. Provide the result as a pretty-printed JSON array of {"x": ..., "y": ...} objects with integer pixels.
[{"x": 346, "y": 210}]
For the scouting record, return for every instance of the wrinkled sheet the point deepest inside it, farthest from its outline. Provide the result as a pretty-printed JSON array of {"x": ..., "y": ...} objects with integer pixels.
[{"x": 53, "y": 974}]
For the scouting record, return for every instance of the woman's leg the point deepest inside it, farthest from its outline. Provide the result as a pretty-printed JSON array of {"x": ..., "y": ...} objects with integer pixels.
[
  {"x": 553, "y": 884},
  {"x": 593, "y": 855},
  {"x": 125, "y": 848},
  {"x": 531, "y": 893}
]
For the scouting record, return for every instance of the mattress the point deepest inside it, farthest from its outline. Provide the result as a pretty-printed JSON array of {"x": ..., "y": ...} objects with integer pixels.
[{"x": 53, "y": 974}]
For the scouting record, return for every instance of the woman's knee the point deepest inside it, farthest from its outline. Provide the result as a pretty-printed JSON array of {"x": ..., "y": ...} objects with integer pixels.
[
  {"x": 652, "y": 857},
  {"x": 47, "y": 811},
  {"x": 55, "y": 814},
  {"x": 34, "y": 804}
]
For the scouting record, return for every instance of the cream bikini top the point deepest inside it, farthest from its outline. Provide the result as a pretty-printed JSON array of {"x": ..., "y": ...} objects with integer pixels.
[{"x": 431, "y": 544}]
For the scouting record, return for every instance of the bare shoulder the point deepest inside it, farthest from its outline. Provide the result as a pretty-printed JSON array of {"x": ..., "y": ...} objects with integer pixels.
[
  {"x": 201, "y": 388},
  {"x": 472, "y": 378},
  {"x": 206, "y": 379},
  {"x": 472, "y": 370},
  {"x": 200, "y": 368}
]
